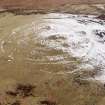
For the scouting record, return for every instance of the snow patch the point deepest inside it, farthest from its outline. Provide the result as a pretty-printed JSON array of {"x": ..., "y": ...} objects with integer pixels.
[{"x": 80, "y": 37}]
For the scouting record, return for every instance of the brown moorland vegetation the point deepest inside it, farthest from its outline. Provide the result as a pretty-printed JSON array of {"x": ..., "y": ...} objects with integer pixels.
[{"x": 40, "y": 4}]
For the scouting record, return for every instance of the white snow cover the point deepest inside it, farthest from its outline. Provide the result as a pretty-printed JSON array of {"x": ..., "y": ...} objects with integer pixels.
[{"x": 79, "y": 34}]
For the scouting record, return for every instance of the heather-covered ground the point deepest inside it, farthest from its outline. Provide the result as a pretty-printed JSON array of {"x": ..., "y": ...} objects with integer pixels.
[{"x": 43, "y": 6}]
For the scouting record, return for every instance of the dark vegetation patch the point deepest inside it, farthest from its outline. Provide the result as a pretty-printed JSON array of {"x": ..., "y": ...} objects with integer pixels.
[
  {"x": 102, "y": 17},
  {"x": 100, "y": 33},
  {"x": 12, "y": 93},
  {"x": 87, "y": 21},
  {"x": 55, "y": 37},
  {"x": 25, "y": 90},
  {"x": 22, "y": 90},
  {"x": 24, "y": 11},
  {"x": 16, "y": 103},
  {"x": 47, "y": 102},
  {"x": 83, "y": 21}
]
